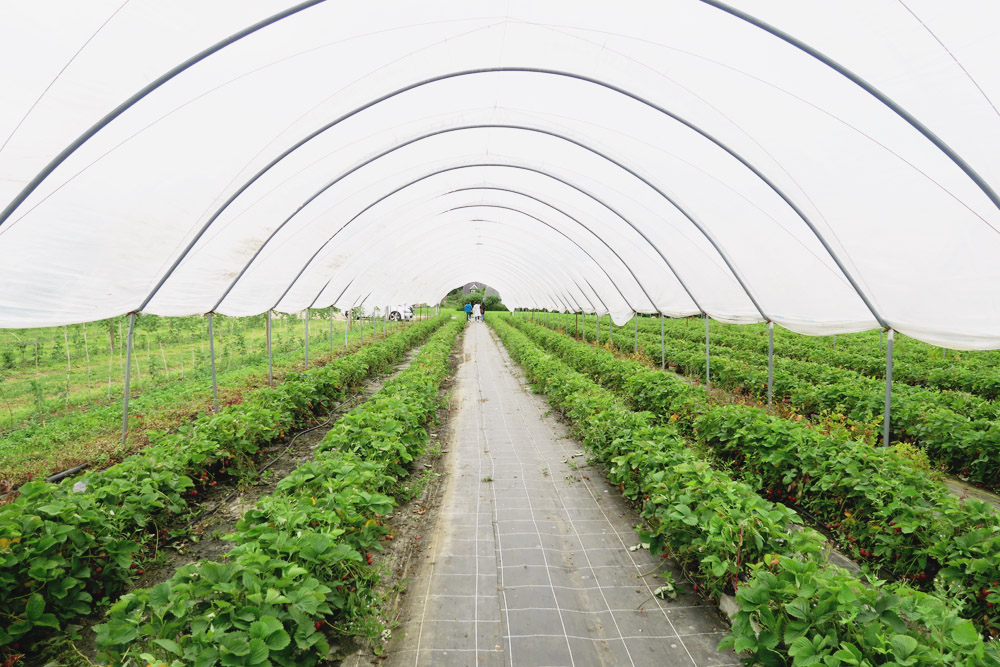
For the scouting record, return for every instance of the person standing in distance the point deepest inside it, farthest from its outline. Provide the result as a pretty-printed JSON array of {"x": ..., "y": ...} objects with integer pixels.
[{"x": 468, "y": 311}]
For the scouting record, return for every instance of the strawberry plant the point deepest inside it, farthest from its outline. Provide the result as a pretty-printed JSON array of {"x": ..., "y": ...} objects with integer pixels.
[
  {"x": 76, "y": 548},
  {"x": 303, "y": 561}
]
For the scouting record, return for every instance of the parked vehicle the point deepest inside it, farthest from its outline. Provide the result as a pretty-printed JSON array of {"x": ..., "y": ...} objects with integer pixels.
[
  {"x": 402, "y": 312},
  {"x": 399, "y": 312}
]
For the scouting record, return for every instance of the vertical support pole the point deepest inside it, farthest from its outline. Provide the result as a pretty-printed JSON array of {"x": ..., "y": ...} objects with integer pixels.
[
  {"x": 128, "y": 375},
  {"x": 584, "y": 325},
  {"x": 888, "y": 390},
  {"x": 331, "y": 329},
  {"x": 576, "y": 325},
  {"x": 635, "y": 318},
  {"x": 663, "y": 347},
  {"x": 347, "y": 327},
  {"x": 835, "y": 341},
  {"x": 270, "y": 359},
  {"x": 944, "y": 353},
  {"x": 770, "y": 362},
  {"x": 307, "y": 339},
  {"x": 708, "y": 357},
  {"x": 598, "y": 321},
  {"x": 211, "y": 354},
  {"x": 361, "y": 321}
]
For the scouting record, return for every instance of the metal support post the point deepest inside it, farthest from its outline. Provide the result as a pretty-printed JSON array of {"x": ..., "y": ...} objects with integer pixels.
[
  {"x": 770, "y": 362},
  {"x": 635, "y": 317},
  {"x": 835, "y": 341},
  {"x": 331, "y": 330},
  {"x": 270, "y": 360},
  {"x": 128, "y": 375},
  {"x": 347, "y": 327},
  {"x": 598, "y": 319},
  {"x": 708, "y": 359},
  {"x": 211, "y": 354},
  {"x": 888, "y": 390},
  {"x": 307, "y": 339},
  {"x": 584, "y": 325},
  {"x": 663, "y": 347},
  {"x": 944, "y": 353},
  {"x": 361, "y": 321}
]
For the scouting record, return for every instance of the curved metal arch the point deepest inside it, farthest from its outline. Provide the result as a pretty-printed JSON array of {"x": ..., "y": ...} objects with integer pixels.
[
  {"x": 524, "y": 128},
  {"x": 454, "y": 277},
  {"x": 872, "y": 90},
  {"x": 138, "y": 96},
  {"x": 552, "y": 72},
  {"x": 514, "y": 263},
  {"x": 493, "y": 222},
  {"x": 545, "y": 174},
  {"x": 323, "y": 246},
  {"x": 510, "y": 261},
  {"x": 528, "y": 289},
  {"x": 550, "y": 279},
  {"x": 369, "y": 206},
  {"x": 613, "y": 251},
  {"x": 352, "y": 280},
  {"x": 559, "y": 291},
  {"x": 627, "y": 221}
]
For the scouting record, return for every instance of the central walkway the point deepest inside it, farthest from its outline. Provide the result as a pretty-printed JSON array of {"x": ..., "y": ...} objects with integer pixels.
[{"x": 531, "y": 562}]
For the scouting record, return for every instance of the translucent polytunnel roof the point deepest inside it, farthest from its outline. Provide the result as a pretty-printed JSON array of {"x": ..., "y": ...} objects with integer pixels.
[{"x": 828, "y": 166}]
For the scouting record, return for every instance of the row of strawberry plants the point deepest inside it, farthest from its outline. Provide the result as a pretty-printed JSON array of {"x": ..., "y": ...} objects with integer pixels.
[
  {"x": 977, "y": 379},
  {"x": 964, "y": 446},
  {"x": 821, "y": 364},
  {"x": 794, "y": 607},
  {"x": 883, "y": 510},
  {"x": 66, "y": 547},
  {"x": 924, "y": 365},
  {"x": 303, "y": 560}
]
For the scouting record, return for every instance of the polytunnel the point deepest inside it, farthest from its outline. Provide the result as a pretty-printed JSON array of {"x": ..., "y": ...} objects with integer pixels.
[{"x": 828, "y": 167}]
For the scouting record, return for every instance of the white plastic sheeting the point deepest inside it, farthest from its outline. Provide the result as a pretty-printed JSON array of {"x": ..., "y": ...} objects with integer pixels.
[{"x": 667, "y": 156}]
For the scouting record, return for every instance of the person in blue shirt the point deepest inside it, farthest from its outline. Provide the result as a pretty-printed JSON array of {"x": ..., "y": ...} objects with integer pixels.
[{"x": 468, "y": 311}]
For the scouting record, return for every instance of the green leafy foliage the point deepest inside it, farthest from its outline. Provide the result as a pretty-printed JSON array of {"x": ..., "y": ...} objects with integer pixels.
[
  {"x": 302, "y": 562},
  {"x": 74, "y": 549}
]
